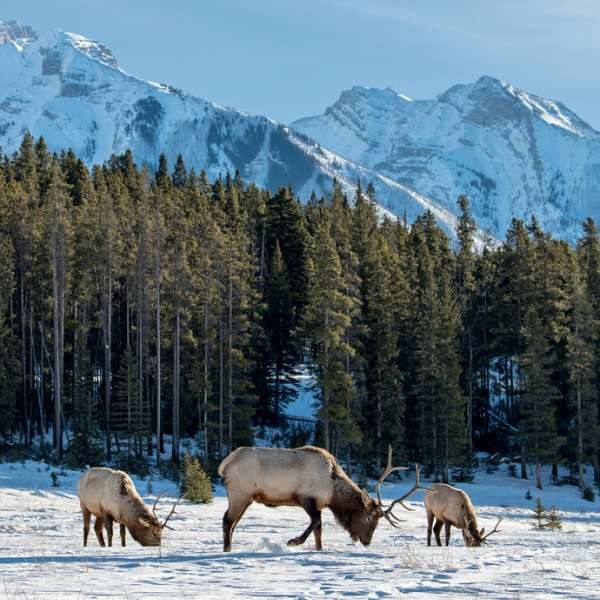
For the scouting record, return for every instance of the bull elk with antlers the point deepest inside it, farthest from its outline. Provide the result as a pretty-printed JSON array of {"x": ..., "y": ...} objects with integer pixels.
[
  {"x": 308, "y": 477},
  {"x": 449, "y": 506},
  {"x": 111, "y": 496}
]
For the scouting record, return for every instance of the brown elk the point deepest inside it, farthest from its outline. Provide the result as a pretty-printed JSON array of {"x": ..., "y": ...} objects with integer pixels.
[
  {"x": 308, "y": 477},
  {"x": 450, "y": 506},
  {"x": 111, "y": 496}
]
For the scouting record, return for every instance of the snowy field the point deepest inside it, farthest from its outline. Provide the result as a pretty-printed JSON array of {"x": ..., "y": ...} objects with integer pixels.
[{"x": 41, "y": 553}]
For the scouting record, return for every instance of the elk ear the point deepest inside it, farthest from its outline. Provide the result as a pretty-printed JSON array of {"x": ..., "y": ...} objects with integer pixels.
[
  {"x": 143, "y": 522},
  {"x": 365, "y": 495},
  {"x": 482, "y": 531}
]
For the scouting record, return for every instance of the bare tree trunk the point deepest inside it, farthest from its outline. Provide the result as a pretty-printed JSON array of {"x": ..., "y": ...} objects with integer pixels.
[
  {"x": 523, "y": 463},
  {"x": 205, "y": 404},
  {"x": 176, "y": 387},
  {"x": 325, "y": 384},
  {"x": 445, "y": 474},
  {"x": 23, "y": 352},
  {"x": 158, "y": 341},
  {"x": 58, "y": 293},
  {"x": 470, "y": 404},
  {"x": 580, "y": 435},
  {"x": 40, "y": 393},
  {"x": 230, "y": 369},
  {"x": 176, "y": 362},
  {"x": 220, "y": 380}
]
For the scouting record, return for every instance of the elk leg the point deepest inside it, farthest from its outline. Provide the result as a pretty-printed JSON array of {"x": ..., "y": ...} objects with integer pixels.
[
  {"x": 317, "y": 534},
  {"x": 122, "y": 532},
  {"x": 430, "y": 517},
  {"x": 231, "y": 518},
  {"x": 447, "y": 526},
  {"x": 310, "y": 506},
  {"x": 98, "y": 525},
  {"x": 436, "y": 530},
  {"x": 108, "y": 522},
  {"x": 87, "y": 517}
]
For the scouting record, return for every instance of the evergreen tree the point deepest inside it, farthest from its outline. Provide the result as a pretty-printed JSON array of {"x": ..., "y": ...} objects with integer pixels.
[
  {"x": 538, "y": 431},
  {"x": 326, "y": 324},
  {"x": 278, "y": 321}
]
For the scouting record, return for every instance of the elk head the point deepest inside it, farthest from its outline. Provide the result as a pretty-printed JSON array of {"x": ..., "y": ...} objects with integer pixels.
[
  {"x": 363, "y": 523},
  {"x": 149, "y": 530},
  {"x": 474, "y": 538}
]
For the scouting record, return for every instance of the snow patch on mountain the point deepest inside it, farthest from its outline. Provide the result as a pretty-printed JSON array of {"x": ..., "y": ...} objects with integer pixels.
[
  {"x": 70, "y": 90},
  {"x": 513, "y": 153}
]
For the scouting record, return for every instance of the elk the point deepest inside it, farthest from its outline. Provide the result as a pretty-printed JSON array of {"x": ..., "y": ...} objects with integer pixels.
[
  {"x": 111, "y": 496},
  {"x": 450, "y": 506},
  {"x": 308, "y": 477}
]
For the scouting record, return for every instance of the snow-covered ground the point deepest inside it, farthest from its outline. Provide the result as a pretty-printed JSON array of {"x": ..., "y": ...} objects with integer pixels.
[{"x": 41, "y": 553}]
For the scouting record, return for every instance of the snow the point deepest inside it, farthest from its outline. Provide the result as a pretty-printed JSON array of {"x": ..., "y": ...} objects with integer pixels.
[
  {"x": 304, "y": 405},
  {"x": 42, "y": 554},
  {"x": 513, "y": 153}
]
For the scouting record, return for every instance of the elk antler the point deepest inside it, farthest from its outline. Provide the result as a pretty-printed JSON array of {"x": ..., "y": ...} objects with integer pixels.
[
  {"x": 495, "y": 530},
  {"x": 156, "y": 502},
  {"x": 387, "y": 471},
  {"x": 412, "y": 490},
  {"x": 173, "y": 509}
]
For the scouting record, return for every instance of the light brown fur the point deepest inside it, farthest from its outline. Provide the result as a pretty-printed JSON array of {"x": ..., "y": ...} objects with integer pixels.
[
  {"x": 450, "y": 506},
  {"x": 308, "y": 477},
  {"x": 111, "y": 497}
]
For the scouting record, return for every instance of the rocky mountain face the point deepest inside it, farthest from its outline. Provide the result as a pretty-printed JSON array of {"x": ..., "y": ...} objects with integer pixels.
[
  {"x": 71, "y": 90},
  {"x": 512, "y": 153}
]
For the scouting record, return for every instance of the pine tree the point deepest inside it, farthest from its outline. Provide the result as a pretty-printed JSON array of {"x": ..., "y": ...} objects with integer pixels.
[
  {"x": 538, "y": 431},
  {"x": 194, "y": 481},
  {"x": 588, "y": 254},
  {"x": 581, "y": 340},
  {"x": 465, "y": 291},
  {"x": 326, "y": 322},
  {"x": 540, "y": 515},
  {"x": 279, "y": 324}
]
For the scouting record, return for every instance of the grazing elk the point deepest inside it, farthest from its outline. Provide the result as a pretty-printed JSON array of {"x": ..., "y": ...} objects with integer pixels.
[
  {"x": 111, "y": 496},
  {"x": 450, "y": 506},
  {"x": 308, "y": 477}
]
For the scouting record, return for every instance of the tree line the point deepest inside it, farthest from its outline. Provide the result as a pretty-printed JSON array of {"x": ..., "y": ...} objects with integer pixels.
[{"x": 139, "y": 308}]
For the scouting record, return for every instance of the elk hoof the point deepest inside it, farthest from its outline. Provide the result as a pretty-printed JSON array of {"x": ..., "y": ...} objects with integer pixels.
[{"x": 294, "y": 542}]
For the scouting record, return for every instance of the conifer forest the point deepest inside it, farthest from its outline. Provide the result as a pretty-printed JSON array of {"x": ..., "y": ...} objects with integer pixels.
[{"x": 139, "y": 309}]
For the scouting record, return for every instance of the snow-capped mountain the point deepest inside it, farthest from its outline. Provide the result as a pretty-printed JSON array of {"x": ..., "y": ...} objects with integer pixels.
[
  {"x": 512, "y": 153},
  {"x": 71, "y": 90}
]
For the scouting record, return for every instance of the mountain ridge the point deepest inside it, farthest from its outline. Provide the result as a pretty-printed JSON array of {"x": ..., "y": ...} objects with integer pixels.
[
  {"x": 70, "y": 90},
  {"x": 488, "y": 139},
  {"x": 515, "y": 154}
]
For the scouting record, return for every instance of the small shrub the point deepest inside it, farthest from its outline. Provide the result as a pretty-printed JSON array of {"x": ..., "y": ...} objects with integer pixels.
[
  {"x": 546, "y": 518},
  {"x": 132, "y": 464},
  {"x": 54, "y": 478},
  {"x": 553, "y": 520},
  {"x": 169, "y": 470},
  {"x": 588, "y": 494},
  {"x": 463, "y": 474},
  {"x": 195, "y": 483},
  {"x": 84, "y": 450},
  {"x": 539, "y": 514}
]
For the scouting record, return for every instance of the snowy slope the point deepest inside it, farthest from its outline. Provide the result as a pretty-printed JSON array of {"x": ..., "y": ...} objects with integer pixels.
[
  {"x": 42, "y": 554},
  {"x": 71, "y": 90},
  {"x": 512, "y": 153}
]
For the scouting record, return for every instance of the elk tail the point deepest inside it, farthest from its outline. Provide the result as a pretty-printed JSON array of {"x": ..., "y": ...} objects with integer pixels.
[{"x": 225, "y": 463}]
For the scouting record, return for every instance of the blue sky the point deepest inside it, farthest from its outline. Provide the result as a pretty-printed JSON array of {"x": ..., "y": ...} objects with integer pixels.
[{"x": 290, "y": 58}]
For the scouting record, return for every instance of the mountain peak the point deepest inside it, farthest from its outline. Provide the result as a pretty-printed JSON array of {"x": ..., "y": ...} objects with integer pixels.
[
  {"x": 13, "y": 31},
  {"x": 93, "y": 49}
]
